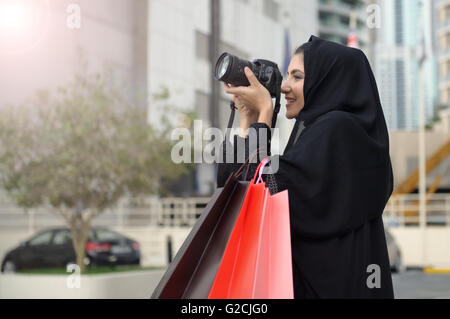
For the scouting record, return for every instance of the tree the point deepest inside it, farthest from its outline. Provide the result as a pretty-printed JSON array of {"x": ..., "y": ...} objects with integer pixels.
[
  {"x": 436, "y": 117},
  {"x": 79, "y": 150}
]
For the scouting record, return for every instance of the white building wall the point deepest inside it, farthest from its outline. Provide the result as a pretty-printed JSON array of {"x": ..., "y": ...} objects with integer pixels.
[{"x": 171, "y": 53}]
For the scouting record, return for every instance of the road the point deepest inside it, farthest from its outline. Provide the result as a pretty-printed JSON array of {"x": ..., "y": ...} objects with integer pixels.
[{"x": 414, "y": 284}]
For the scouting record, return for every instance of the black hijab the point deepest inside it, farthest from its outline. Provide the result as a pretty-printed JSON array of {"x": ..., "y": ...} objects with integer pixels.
[{"x": 340, "y": 78}]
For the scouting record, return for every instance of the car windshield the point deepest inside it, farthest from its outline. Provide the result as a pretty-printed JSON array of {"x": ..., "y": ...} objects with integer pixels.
[
  {"x": 62, "y": 237},
  {"x": 105, "y": 235},
  {"x": 41, "y": 239}
]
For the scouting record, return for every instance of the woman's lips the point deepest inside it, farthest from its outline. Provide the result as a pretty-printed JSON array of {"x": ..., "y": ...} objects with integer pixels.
[{"x": 289, "y": 102}]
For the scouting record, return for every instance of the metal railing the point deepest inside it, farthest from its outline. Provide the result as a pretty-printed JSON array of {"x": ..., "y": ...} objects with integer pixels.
[
  {"x": 401, "y": 210},
  {"x": 135, "y": 212}
]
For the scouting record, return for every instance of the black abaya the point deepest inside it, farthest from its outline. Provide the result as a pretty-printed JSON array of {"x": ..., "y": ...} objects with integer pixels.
[{"x": 338, "y": 174}]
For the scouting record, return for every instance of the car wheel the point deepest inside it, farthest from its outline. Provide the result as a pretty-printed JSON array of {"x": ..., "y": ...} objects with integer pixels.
[
  {"x": 9, "y": 267},
  {"x": 399, "y": 267}
]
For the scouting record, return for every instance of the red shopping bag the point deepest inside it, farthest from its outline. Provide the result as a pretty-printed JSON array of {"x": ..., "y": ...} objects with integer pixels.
[
  {"x": 257, "y": 262},
  {"x": 274, "y": 264}
]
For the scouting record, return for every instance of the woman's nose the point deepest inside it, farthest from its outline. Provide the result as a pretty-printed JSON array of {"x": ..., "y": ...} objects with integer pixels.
[{"x": 285, "y": 89}]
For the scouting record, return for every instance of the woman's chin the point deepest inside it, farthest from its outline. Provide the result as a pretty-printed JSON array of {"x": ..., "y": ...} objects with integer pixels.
[
  {"x": 292, "y": 115},
  {"x": 289, "y": 116}
]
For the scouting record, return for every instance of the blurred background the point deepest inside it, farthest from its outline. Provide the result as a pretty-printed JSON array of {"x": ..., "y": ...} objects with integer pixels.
[{"x": 76, "y": 76}]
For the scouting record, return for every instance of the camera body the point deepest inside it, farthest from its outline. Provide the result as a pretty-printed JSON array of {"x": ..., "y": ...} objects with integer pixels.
[{"x": 230, "y": 69}]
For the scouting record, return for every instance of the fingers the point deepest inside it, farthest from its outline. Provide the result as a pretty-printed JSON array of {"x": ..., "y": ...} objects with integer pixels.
[
  {"x": 236, "y": 101},
  {"x": 242, "y": 89},
  {"x": 238, "y": 90},
  {"x": 251, "y": 76}
]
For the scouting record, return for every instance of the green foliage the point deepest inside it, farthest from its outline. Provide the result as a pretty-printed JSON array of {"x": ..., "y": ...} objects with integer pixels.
[
  {"x": 436, "y": 117},
  {"x": 82, "y": 147}
]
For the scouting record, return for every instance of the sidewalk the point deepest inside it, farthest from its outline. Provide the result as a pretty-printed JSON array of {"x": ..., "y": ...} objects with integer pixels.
[
  {"x": 129, "y": 285},
  {"x": 416, "y": 284}
]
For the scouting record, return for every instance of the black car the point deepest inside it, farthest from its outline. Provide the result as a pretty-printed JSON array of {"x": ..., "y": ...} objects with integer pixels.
[
  {"x": 395, "y": 255},
  {"x": 53, "y": 248}
]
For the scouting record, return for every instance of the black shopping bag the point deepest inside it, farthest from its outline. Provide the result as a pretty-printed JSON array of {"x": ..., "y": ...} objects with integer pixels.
[{"x": 193, "y": 270}]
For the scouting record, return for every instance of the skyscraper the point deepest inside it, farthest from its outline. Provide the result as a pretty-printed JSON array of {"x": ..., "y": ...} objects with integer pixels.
[
  {"x": 442, "y": 11},
  {"x": 335, "y": 17},
  {"x": 397, "y": 61}
]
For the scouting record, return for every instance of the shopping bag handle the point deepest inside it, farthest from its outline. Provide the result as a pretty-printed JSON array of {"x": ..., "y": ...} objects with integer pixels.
[
  {"x": 239, "y": 171},
  {"x": 260, "y": 169}
]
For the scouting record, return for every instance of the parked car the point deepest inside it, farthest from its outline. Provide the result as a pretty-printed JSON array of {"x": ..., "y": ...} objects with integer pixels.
[
  {"x": 395, "y": 255},
  {"x": 53, "y": 248}
]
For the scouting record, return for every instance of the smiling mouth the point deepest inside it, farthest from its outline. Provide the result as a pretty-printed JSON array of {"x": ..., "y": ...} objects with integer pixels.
[{"x": 290, "y": 102}]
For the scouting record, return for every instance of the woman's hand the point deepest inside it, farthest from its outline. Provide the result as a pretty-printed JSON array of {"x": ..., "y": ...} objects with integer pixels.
[
  {"x": 255, "y": 98},
  {"x": 244, "y": 110},
  {"x": 248, "y": 116}
]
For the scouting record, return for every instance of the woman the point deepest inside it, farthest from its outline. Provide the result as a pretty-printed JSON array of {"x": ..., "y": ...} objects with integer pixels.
[{"x": 336, "y": 168}]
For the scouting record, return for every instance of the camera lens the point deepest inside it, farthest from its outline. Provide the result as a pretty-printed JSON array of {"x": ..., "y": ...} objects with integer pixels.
[
  {"x": 222, "y": 66},
  {"x": 230, "y": 69}
]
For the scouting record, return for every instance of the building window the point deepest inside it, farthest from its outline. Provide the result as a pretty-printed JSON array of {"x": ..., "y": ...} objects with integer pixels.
[
  {"x": 400, "y": 85},
  {"x": 344, "y": 20},
  {"x": 325, "y": 18},
  {"x": 201, "y": 46},
  {"x": 399, "y": 22},
  {"x": 271, "y": 9}
]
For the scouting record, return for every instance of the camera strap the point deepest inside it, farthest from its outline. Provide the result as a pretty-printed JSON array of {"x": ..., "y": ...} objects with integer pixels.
[
  {"x": 276, "y": 110},
  {"x": 231, "y": 119}
]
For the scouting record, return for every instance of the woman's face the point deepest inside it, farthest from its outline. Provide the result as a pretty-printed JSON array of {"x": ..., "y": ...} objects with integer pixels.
[{"x": 292, "y": 88}]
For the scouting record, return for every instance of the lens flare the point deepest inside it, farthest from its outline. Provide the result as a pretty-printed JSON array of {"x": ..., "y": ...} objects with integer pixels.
[
  {"x": 16, "y": 16},
  {"x": 23, "y": 24}
]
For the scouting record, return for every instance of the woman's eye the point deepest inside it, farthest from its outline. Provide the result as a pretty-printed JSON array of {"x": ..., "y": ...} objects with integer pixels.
[{"x": 297, "y": 77}]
